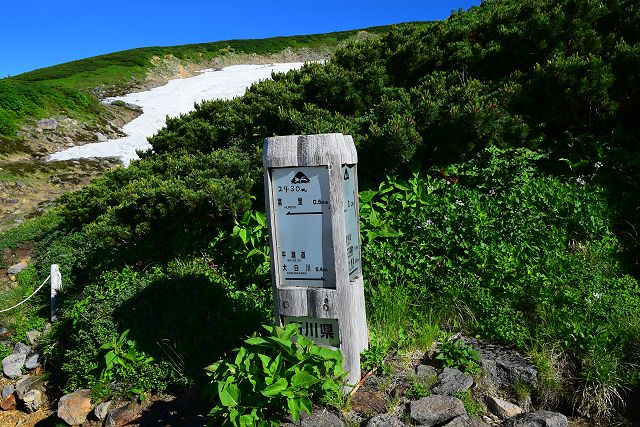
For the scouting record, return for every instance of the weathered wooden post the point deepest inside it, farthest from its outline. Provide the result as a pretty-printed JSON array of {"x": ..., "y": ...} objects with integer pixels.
[
  {"x": 311, "y": 191},
  {"x": 56, "y": 285}
]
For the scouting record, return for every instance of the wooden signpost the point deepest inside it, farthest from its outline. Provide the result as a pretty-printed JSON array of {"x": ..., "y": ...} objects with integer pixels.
[{"x": 311, "y": 194}]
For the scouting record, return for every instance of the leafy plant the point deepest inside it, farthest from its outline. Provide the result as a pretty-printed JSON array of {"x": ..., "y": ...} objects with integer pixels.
[
  {"x": 374, "y": 356},
  {"x": 272, "y": 374},
  {"x": 460, "y": 355},
  {"x": 125, "y": 366}
]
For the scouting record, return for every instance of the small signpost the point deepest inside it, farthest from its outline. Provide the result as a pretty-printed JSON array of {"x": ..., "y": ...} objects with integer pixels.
[{"x": 311, "y": 194}]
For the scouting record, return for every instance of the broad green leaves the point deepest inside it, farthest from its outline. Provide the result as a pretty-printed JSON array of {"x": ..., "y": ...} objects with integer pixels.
[{"x": 272, "y": 374}]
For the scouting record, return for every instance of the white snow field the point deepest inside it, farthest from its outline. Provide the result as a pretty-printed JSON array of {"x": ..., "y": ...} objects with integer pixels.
[{"x": 176, "y": 97}]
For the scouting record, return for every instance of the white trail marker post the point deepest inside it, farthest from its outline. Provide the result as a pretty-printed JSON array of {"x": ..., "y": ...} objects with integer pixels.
[{"x": 311, "y": 194}]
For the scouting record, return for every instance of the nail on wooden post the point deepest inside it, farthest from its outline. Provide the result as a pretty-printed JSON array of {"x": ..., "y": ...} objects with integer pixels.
[
  {"x": 56, "y": 285},
  {"x": 311, "y": 193}
]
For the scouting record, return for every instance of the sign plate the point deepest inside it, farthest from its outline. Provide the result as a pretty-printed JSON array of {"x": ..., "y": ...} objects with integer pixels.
[
  {"x": 351, "y": 220},
  {"x": 304, "y": 247},
  {"x": 320, "y": 331}
]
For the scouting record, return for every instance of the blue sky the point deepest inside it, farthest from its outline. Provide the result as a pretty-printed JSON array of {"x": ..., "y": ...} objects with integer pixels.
[{"x": 39, "y": 33}]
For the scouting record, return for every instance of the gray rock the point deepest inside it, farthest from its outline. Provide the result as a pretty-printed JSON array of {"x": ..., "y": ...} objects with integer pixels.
[
  {"x": 28, "y": 383},
  {"x": 12, "y": 365},
  {"x": 102, "y": 410},
  {"x": 48, "y": 124},
  {"x": 319, "y": 418},
  {"x": 7, "y": 391},
  {"x": 502, "y": 409},
  {"x": 504, "y": 367},
  {"x": 34, "y": 400},
  {"x": 452, "y": 381},
  {"x": 21, "y": 348},
  {"x": 32, "y": 361},
  {"x": 385, "y": 420},
  {"x": 19, "y": 184},
  {"x": 425, "y": 371},
  {"x": 465, "y": 421},
  {"x": 32, "y": 337},
  {"x": 17, "y": 268},
  {"x": 537, "y": 419},
  {"x": 73, "y": 408},
  {"x": 435, "y": 410},
  {"x": 101, "y": 137}
]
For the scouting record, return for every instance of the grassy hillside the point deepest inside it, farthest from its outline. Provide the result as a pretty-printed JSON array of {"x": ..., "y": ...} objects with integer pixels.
[
  {"x": 70, "y": 88},
  {"x": 499, "y": 173}
]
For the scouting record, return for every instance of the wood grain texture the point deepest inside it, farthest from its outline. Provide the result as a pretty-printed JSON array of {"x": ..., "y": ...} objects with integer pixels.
[{"x": 346, "y": 302}]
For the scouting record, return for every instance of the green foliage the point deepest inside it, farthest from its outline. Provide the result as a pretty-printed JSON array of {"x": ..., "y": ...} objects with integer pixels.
[
  {"x": 460, "y": 355},
  {"x": 5, "y": 350},
  {"x": 374, "y": 356},
  {"x": 126, "y": 368},
  {"x": 471, "y": 405},
  {"x": 273, "y": 374}
]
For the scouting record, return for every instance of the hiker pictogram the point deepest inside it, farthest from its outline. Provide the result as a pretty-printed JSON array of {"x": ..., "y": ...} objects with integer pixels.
[
  {"x": 346, "y": 174},
  {"x": 300, "y": 178}
]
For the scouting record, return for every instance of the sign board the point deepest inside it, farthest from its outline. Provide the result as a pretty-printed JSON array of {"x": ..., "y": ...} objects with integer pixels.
[
  {"x": 351, "y": 218},
  {"x": 311, "y": 193},
  {"x": 321, "y": 331},
  {"x": 302, "y": 213}
]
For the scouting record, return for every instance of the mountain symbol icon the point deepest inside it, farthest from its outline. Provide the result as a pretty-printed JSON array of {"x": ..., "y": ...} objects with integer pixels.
[{"x": 300, "y": 178}]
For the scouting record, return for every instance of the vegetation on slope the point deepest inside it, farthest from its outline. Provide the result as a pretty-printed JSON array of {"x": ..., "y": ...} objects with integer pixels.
[{"x": 509, "y": 136}]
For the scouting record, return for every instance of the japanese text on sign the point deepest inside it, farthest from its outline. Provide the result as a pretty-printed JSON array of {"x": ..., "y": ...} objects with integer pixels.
[
  {"x": 302, "y": 215},
  {"x": 351, "y": 220},
  {"x": 320, "y": 331}
]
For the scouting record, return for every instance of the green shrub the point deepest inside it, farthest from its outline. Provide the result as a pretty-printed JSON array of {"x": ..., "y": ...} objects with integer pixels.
[
  {"x": 458, "y": 354},
  {"x": 271, "y": 375}
]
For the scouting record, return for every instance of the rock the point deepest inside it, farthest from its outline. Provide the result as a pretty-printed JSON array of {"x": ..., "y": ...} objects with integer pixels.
[
  {"x": 102, "y": 410},
  {"x": 452, "y": 381},
  {"x": 465, "y": 421},
  {"x": 17, "y": 268},
  {"x": 7, "y": 390},
  {"x": 32, "y": 337},
  {"x": 21, "y": 348},
  {"x": 504, "y": 367},
  {"x": 368, "y": 402},
  {"x": 8, "y": 403},
  {"x": 435, "y": 410},
  {"x": 47, "y": 124},
  {"x": 385, "y": 420},
  {"x": 12, "y": 365},
  {"x": 537, "y": 419},
  {"x": 319, "y": 418},
  {"x": 73, "y": 408},
  {"x": 122, "y": 416},
  {"x": 101, "y": 137},
  {"x": 34, "y": 400},
  {"x": 28, "y": 383},
  {"x": 425, "y": 371},
  {"x": 502, "y": 408},
  {"x": 32, "y": 361}
]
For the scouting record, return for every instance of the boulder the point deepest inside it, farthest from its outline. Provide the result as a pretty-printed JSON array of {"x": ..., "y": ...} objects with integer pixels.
[
  {"x": 102, "y": 410},
  {"x": 452, "y": 381},
  {"x": 368, "y": 402},
  {"x": 503, "y": 366},
  {"x": 47, "y": 124},
  {"x": 465, "y": 421},
  {"x": 537, "y": 419},
  {"x": 385, "y": 420},
  {"x": 73, "y": 408},
  {"x": 17, "y": 268},
  {"x": 425, "y": 371},
  {"x": 502, "y": 409},
  {"x": 435, "y": 410},
  {"x": 12, "y": 365},
  {"x": 32, "y": 361},
  {"x": 8, "y": 403},
  {"x": 319, "y": 418},
  {"x": 100, "y": 137},
  {"x": 34, "y": 400},
  {"x": 122, "y": 416},
  {"x": 7, "y": 390},
  {"x": 21, "y": 348},
  {"x": 26, "y": 384}
]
